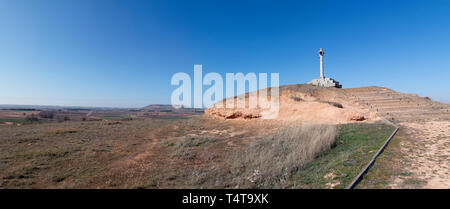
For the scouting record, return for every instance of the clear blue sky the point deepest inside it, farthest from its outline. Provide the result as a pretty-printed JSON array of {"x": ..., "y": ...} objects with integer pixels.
[{"x": 123, "y": 53}]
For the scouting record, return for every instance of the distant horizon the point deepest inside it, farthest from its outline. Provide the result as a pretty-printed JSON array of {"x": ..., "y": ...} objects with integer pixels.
[
  {"x": 125, "y": 107},
  {"x": 64, "y": 106},
  {"x": 122, "y": 54}
]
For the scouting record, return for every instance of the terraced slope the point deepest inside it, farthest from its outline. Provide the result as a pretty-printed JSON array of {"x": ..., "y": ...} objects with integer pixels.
[
  {"x": 425, "y": 130},
  {"x": 398, "y": 107}
]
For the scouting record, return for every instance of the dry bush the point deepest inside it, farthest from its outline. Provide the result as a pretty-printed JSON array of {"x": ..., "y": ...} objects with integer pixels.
[
  {"x": 297, "y": 99},
  {"x": 185, "y": 146},
  {"x": 270, "y": 162},
  {"x": 47, "y": 114},
  {"x": 61, "y": 130},
  {"x": 32, "y": 117},
  {"x": 338, "y": 105}
]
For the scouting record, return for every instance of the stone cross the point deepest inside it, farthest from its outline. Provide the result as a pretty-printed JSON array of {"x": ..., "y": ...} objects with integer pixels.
[
  {"x": 321, "y": 53},
  {"x": 322, "y": 81}
]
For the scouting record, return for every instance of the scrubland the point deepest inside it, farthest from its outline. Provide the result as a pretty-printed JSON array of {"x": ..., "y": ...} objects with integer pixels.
[{"x": 188, "y": 152}]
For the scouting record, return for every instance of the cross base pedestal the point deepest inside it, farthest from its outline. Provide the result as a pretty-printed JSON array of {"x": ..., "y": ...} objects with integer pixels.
[{"x": 325, "y": 82}]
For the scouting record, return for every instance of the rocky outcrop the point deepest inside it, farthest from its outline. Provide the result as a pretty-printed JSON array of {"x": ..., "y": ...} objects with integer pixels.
[{"x": 304, "y": 102}]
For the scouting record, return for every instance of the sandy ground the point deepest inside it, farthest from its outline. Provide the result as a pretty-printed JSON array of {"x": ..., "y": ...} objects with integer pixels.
[
  {"x": 426, "y": 123},
  {"x": 298, "y": 103},
  {"x": 426, "y": 154}
]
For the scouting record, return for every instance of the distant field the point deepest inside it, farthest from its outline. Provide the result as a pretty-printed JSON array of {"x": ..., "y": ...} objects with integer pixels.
[
  {"x": 180, "y": 152},
  {"x": 22, "y": 116}
]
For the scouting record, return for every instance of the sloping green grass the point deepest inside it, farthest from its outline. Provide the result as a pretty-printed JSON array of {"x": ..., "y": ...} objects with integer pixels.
[
  {"x": 17, "y": 121},
  {"x": 355, "y": 146}
]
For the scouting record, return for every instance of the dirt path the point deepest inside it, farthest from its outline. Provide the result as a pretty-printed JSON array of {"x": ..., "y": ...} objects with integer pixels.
[
  {"x": 426, "y": 154},
  {"x": 425, "y": 129}
]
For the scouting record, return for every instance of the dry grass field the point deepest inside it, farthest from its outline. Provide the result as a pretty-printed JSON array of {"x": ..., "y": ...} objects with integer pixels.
[
  {"x": 157, "y": 147},
  {"x": 186, "y": 152},
  {"x": 108, "y": 154}
]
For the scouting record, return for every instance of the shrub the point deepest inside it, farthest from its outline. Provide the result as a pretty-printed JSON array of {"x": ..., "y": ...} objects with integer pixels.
[
  {"x": 297, "y": 99},
  {"x": 338, "y": 105},
  {"x": 61, "y": 118},
  {"x": 32, "y": 117},
  {"x": 47, "y": 114}
]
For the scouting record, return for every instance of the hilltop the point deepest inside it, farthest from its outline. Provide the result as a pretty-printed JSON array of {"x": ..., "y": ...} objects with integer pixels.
[
  {"x": 419, "y": 156},
  {"x": 334, "y": 105}
]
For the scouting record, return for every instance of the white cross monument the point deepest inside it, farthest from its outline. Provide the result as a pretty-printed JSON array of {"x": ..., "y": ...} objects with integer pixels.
[{"x": 322, "y": 81}]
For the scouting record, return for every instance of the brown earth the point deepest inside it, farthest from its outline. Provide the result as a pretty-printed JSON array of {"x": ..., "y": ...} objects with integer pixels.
[
  {"x": 425, "y": 129},
  {"x": 302, "y": 103},
  {"x": 425, "y": 124},
  {"x": 138, "y": 153},
  {"x": 154, "y": 152}
]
